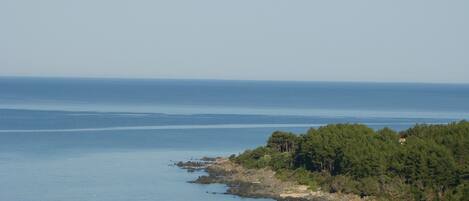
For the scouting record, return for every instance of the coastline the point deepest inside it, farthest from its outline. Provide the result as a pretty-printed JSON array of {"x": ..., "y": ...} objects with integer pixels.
[{"x": 258, "y": 183}]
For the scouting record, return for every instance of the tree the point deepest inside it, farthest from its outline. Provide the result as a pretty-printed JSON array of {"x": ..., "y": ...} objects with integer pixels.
[
  {"x": 431, "y": 165},
  {"x": 283, "y": 141},
  {"x": 426, "y": 164}
]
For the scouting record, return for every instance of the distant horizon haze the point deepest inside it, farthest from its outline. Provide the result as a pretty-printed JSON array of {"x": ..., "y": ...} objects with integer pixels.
[
  {"x": 423, "y": 41},
  {"x": 228, "y": 79}
]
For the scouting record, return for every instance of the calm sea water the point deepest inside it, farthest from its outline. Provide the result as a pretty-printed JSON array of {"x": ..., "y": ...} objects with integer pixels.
[{"x": 115, "y": 139}]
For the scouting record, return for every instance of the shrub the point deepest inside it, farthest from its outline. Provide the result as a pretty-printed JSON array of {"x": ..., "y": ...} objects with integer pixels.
[{"x": 343, "y": 184}]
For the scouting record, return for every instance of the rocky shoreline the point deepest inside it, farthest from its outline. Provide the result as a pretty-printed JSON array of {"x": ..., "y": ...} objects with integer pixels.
[{"x": 257, "y": 183}]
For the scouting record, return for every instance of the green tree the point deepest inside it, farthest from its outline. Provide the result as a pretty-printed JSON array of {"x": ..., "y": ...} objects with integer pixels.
[
  {"x": 283, "y": 141},
  {"x": 426, "y": 164}
]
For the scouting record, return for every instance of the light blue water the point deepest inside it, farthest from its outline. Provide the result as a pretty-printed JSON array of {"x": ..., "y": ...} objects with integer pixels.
[{"x": 114, "y": 139}]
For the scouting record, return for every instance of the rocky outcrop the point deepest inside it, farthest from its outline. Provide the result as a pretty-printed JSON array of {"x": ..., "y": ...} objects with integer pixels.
[{"x": 259, "y": 183}]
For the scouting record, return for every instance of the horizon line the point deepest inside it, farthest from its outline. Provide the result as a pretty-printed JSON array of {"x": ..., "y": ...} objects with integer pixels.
[{"x": 227, "y": 79}]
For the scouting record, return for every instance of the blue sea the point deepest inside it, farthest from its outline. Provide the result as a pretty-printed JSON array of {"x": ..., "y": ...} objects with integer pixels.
[{"x": 73, "y": 139}]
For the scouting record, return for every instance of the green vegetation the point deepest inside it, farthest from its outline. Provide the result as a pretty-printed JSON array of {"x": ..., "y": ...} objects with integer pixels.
[{"x": 431, "y": 164}]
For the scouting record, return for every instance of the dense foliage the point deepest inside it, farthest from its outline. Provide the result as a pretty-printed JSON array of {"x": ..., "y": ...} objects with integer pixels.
[{"x": 430, "y": 164}]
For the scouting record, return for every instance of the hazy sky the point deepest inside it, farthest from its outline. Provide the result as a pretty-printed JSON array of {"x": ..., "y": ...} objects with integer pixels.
[{"x": 348, "y": 40}]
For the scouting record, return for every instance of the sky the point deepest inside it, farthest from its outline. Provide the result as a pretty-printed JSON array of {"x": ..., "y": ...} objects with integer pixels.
[{"x": 333, "y": 40}]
